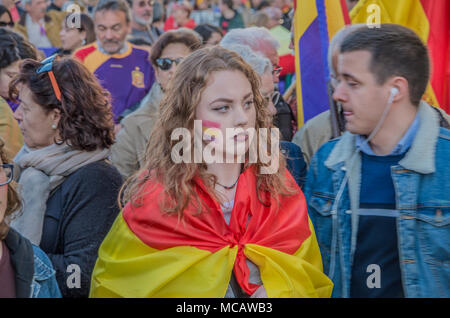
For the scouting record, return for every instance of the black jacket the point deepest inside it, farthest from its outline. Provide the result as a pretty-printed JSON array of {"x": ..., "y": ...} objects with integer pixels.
[{"x": 79, "y": 214}]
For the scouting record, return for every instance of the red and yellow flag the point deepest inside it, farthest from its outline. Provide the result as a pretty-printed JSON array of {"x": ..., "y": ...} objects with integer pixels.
[
  {"x": 430, "y": 19},
  {"x": 151, "y": 254}
]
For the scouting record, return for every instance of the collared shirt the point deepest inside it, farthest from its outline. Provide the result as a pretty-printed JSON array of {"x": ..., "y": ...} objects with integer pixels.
[
  {"x": 122, "y": 50},
  {"x": 128, "y": 75},
  {"x": 36, "y": 33},
  {"x": 401, "y": 147}
]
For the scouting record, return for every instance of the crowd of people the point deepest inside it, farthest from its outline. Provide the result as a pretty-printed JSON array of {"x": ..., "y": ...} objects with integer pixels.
[{"x": 111, "y": 110}]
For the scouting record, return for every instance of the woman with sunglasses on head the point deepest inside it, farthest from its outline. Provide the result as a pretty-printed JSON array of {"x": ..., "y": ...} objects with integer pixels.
[
  {"x": 68, "y": 185},
  {"x": 205, "y": 228},
  {"x": 167, "y": 52},
  {"x": 25, "y": 270}
]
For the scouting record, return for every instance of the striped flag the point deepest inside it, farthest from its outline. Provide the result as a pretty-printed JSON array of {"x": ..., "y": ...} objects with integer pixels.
[
  {"x": 430, "y": 19},
  {"x": 315, "y": 24},
  {"x": 148, "y": 253}
]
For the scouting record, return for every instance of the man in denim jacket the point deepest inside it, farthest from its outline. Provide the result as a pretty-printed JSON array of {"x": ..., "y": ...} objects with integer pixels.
[{"x": 379, "y": 196}]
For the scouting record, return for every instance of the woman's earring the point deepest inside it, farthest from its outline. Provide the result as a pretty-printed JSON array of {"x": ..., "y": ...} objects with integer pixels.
[
  {"x": 54, "y": 126},
  {"x": 83, "y": 42}
]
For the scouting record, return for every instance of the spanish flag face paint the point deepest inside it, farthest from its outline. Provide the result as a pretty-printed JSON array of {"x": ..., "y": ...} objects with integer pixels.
[{"x": 210, "y": 130}]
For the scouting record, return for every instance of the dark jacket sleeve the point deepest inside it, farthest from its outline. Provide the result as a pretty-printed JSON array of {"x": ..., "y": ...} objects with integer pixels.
[
  {"x": 89, "y": 209},
  {"x": 295, "y": 162}
]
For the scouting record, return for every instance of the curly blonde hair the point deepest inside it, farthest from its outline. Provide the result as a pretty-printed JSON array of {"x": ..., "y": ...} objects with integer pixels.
[
  {"x": 13, "y": 204},
  {"x": 177, "y": 110}
]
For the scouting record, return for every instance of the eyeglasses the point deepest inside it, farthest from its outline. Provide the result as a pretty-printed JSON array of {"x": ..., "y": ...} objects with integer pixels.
[
  {"x": 275, "y": 97},
  {"x": 8, "y": 169},
  {"x": 277, "y": 70},
  {"x": 142, "y": 4},
  {"x": 166, "y": 64},
  {"x": 6, "y": 24},
  {"x": 47, "y": 65}
]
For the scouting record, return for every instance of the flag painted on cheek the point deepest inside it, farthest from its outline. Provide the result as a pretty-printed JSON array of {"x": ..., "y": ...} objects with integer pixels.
[
  {"x": 210, "y": 130},
  {"x": 149, "y": 253}
]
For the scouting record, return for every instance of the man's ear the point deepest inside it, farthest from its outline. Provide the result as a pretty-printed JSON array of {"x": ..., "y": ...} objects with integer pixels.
[{"x": 400, "y": 86}]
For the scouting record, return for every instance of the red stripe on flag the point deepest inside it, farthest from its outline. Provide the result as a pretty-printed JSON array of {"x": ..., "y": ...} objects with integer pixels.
[
  {"x": 438, "y": 14},
  {"x": 345, "y": 12}
]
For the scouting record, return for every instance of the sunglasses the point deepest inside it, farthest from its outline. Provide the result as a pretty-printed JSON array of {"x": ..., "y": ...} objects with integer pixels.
[
  {"x": 47, "y": 65},
  {"x": 6, "y": 24},
  {"x": 165, "y": 63},
  {"x": 142, "y": 4},
  {"x": 8, "y": 169},
  {"x": 277, "y": 70}
]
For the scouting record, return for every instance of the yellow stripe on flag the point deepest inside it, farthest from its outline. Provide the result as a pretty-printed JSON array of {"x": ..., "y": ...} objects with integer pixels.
[
  {"x": 287, "y": 276},
  {"x": 127, "y": 267}
]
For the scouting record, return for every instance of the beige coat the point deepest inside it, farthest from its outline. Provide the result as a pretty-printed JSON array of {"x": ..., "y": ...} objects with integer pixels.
[{"x": 128, "y": 153}]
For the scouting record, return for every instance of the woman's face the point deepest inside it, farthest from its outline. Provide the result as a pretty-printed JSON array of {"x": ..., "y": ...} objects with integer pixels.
[
  {"x": 214, "y": 39},
  {"x": 172, "y": 51},
  {"x": 34, "y": 122},
  {"x": 6, "y": 75},
  {"x": 5, "y": 21},
  {"x": 71, "y": 38},
  {"x": 228, "y": 101}
]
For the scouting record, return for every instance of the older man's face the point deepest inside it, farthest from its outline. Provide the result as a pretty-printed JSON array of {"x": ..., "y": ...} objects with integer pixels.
[
  {"x": 142, "y": 11},
  {"x": 111, "y": 28},
  {"x": 272, "y": 55},
  {"x": 36, "y": 8}
]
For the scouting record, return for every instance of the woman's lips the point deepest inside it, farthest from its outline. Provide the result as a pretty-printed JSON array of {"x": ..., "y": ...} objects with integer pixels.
[{"x": 241, "y": 137}]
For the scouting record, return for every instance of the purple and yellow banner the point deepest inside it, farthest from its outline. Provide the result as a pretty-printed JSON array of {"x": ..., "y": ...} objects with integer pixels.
[{"x": 315, "y": 23}]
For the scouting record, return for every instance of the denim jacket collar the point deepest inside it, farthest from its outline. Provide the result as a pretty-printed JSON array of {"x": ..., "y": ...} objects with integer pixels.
[{"x": 423, "y": 146}]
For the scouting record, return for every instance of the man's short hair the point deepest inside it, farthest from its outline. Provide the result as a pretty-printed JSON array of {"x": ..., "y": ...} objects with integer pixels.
[
  {"x": 395, "y": 51},
  {"x": 113, "y": 5}
]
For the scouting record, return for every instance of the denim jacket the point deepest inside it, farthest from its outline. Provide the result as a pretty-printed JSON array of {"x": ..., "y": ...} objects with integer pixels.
[
  {"x": 35, "y": 276},
  {"x": 422, "y": 193},
  {"x": 295, "y": 162}
]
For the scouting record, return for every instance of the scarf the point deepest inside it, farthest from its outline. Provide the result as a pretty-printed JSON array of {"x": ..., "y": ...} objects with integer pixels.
[
  {"x": 148, "y": 253},
  {"x": 42, "y": 171}
]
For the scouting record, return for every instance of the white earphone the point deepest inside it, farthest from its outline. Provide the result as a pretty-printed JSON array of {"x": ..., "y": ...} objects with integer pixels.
[{"x": 394, "y": 91}]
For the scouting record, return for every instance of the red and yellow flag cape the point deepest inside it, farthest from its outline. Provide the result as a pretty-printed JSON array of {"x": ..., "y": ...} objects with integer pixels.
[{"x": 151, "y": 254}]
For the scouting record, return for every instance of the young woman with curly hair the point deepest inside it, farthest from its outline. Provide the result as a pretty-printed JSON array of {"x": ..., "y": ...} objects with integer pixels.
[
  {"x": 211, "y": 229},
  {"x": 25, "y": 270},
  {"x": 68, "y": 186}
]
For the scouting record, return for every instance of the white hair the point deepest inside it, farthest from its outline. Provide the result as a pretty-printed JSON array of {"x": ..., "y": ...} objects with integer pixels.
[
  {"x": 336, "y": 41},
  {"x": 258, "y": 63},
  {"x": 257, "y": 38}
]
